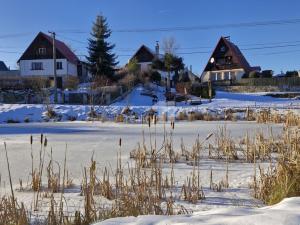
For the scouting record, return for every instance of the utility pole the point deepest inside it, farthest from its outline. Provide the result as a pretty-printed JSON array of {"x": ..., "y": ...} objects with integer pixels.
[{"x": 54, "y": 66}]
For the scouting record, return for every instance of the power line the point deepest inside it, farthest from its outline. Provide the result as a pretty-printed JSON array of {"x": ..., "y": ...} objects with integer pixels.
[
  {"x": 16, "y": 35},
  {"x": 10, "y": 52},
  {"x": 280, "y": 52},
  {"x": 193, "y": 28},
  {"x": 270, "y": 47},
  {"x": 264, "y": 45}
]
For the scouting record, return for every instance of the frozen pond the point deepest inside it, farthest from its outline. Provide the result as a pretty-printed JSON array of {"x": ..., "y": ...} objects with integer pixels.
[{"x": 84, "y": 139}]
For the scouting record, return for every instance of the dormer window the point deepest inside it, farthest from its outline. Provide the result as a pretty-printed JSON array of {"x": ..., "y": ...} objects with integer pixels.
[
  {"x": 228, "y": 60},
  {"x": 42, "y": 51}
]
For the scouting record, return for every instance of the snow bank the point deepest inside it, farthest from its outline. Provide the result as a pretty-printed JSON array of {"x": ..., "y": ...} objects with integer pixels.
[
  {"x": 286, "y": 213},
  {"x": 140, "y": 100}
]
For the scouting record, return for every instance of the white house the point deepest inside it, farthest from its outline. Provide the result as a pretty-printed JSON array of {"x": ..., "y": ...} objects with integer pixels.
[{"x": 37, "y": 60}]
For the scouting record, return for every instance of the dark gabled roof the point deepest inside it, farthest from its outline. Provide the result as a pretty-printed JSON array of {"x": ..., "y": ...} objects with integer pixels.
[
  {"x": 236, "y": 54},
  {"x": 143, "y": 49},
  {"x": 60, "y": 46},
  {"x": 3, "y": 67},
  {"x": 147, "y": 50},
  {"x": 64, "y": 49},
  {"x": 239, "y": 55}
]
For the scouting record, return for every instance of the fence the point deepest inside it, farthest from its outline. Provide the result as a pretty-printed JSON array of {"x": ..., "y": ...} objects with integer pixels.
[
  {"x": 21, "y": 83},
  {"x": 274, "y": 81}
]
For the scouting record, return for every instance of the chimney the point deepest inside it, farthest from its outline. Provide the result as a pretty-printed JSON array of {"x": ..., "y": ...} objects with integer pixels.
[{"x": 157, "y": 49}]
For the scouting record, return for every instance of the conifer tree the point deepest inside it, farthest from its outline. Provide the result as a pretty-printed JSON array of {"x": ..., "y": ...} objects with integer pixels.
[{"x": 101, "y": 59}]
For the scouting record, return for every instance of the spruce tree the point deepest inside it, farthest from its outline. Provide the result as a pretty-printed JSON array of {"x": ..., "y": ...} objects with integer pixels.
[{"x": 101, "y": 59}]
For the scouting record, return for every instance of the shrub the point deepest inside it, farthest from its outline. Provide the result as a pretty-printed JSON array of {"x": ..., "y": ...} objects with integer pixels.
[
  {"x": 246, "y": 75},
  {"x": 72, "y": 118},
  {"x": 267, "y": 74},
  {"x": 203, "y": 91},
  {"x": 155, "y": 76},
  {"x": 120, "y": 118},
  {"x": 254, "y": 74},
  {"x": 50, "y": 113},
  {"x": 12, "y": 121},
  {"x": 291, "y": 74},
  {"x": 71, "y": 82},
  {"x": 182, "y": 116}
]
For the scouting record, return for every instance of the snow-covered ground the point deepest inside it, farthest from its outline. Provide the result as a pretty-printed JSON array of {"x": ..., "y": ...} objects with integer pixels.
[
  {"x": 286, "y": 212},
  {"x": 100, "y": 140},
  {"x": 141, "y": 103},
  {"x": 83, "y": 139}
]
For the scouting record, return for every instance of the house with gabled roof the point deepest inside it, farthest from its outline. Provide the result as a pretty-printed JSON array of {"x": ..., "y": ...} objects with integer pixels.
[
  {"x": 227, "y": 62},
  {"x": 3, "y": 67},
  {"x": 37, "y": 60},
  {"x": 145, "y": 57}
]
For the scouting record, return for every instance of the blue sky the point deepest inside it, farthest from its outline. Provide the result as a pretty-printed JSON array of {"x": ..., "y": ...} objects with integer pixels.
[{"x": 24, "y": 19}]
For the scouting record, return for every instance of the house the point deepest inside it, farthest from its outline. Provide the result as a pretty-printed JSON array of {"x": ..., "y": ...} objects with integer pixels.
[
  {"x": 3, "y": 67},
  {"x": 6, "y": 72},
  {"x": 227, "y": 62},
  {"x": 145, "y": 57},
  {"x": 37, "y": 60}
]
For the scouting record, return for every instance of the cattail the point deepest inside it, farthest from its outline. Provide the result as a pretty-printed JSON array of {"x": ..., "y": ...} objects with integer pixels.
[
  {"x": 120, "y": 142},
  {"x": 42, "y": 139},
  {"x": 208, "y": 136},
  {"x": 45, "y": 142},
  {"x": 149, "y": 121},
  {"x": 172, "y": 125},
  {"x": 154, "y": 119},
  {"x": 31, "y": 139},
  {"x": 211, "y": 179}
]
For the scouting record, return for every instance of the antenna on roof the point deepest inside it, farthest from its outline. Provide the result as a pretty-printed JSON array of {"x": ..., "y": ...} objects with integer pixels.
[
  {"x": 157, "y": 49},
  {"x": 227, "y": 38}
]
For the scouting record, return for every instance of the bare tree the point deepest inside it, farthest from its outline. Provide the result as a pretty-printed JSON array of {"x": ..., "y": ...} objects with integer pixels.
[{"x": 170, "y": 45}]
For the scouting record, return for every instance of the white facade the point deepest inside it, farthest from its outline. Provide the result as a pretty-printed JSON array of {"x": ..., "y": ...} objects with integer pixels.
[
  {"x": 145, "y": 66},
  {"x": 222, "y": 75},
  {"x": 68, "y": 68}
]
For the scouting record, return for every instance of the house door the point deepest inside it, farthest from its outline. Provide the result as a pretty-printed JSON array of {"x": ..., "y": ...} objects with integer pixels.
[{"x": 58, "y": 82}]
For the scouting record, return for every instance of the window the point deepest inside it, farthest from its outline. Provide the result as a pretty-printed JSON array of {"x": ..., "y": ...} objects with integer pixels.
[
  {"x": 42, "y": 51},
  {"x": 221, "y": 61},
  {"x": 229, "y": 60},
  {"x": 223, "y": 49},
  {"x": 36, "y": 66},
  {"x": 232, "y": 75},
  {"x": 59, "y": 66},
  {"x": 227, "y": 76},
  {"x": 214, "y": 76}
]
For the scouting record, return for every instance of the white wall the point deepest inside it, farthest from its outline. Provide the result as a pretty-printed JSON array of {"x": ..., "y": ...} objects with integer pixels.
[
  {"x": 72, "y": 69},
  {"x": 238, "y": 73},
  {"x": 48, "y": 70},
  {"x": 145, "y": 66}
]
